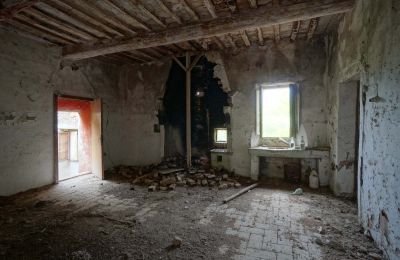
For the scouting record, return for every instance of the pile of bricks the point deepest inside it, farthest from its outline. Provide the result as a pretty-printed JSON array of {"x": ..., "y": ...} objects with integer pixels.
[{"x": 166, "y": 176}]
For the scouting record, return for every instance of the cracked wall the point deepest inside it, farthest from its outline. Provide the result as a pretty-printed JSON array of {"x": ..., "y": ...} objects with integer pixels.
[{"x": 367, "y": 47}]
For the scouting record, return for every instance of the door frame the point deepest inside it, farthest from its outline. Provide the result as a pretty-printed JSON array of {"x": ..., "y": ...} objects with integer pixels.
[{"x": 56, "y": 96}]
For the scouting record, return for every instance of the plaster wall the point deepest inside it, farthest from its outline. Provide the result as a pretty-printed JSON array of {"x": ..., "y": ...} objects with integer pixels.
[
  {"x": 367, "y": 47},
  {"x": 301, "y": 62},
  {"x": 141, "y": 87},
  {"x": 30, "y": 75}
]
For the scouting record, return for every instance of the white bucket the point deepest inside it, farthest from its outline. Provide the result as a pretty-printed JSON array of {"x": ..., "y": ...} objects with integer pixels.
[{"x": 313, "y": 180}]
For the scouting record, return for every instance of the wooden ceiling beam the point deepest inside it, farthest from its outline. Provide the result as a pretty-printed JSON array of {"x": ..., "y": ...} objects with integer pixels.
[
  {"x": 168, "y": 11},
  {"x": 12, "y": 8},
  {"x": 210, "y": 7},
  {"x": 251, "y": 19}
]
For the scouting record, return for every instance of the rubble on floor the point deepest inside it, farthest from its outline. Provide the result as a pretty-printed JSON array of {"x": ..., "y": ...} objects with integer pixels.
[{"x": 171, "y": 173}]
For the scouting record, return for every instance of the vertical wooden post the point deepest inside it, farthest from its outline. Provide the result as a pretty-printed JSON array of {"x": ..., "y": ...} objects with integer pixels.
[{"x": 188, "y": 112}]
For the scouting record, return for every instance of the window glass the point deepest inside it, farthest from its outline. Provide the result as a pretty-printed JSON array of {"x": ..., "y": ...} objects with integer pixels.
[
  {"x": 275, "y": 112},
  {"x": 221, "y": 135}
]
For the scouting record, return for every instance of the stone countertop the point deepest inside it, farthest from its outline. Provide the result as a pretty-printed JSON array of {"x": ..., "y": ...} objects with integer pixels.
[
  {"x": 288, "y": 153},
  {"x": 226, "y": 151}
]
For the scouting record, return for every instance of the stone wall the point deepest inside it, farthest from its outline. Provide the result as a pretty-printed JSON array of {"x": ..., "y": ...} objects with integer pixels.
[{"x": 366, "y": 48}]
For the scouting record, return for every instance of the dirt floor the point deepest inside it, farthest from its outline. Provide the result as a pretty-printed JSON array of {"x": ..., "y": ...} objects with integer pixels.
[{"x": 86, "y": 218}]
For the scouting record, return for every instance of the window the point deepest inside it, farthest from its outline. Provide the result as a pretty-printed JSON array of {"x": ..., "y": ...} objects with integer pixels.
[
  {"x": 277, "y": 111},
  {"x": 221, "y": 135}
]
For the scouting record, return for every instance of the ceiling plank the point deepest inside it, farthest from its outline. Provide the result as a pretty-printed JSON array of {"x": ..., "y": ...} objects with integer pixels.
[
  {"x": 168, "y": 11},
  {"x": 124, "y": 16},
  {"x": 37, "y": 32},
  {"x": 36, "y": 24},
  {"x": 262, "y": 16},
  {"x": 14, "y": 7},
  {"x": 210, "y": 7},
  {"x": 87, "y": 22},
  {"x": 57, "y": 24},
  {"x": 148, "y": 13},
  {"x": 100, "y": 15},
  {"x": 190, "y": 10}
]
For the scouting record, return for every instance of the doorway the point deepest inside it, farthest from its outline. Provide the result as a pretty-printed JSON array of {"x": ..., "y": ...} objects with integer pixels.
[{"x": 78, "y": 144}]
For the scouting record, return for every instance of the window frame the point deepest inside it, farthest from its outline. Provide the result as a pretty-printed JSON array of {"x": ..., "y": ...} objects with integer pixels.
[
  {"x": 215, "y": 135},
  {"x": 294, "y": 109}
]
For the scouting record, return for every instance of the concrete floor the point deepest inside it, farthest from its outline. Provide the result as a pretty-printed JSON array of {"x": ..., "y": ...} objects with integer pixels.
[{"x": 86, "y": 218}]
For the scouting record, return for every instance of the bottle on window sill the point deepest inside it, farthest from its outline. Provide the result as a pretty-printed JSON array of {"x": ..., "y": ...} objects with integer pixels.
[
  {"x": 292, "y": 143},
  {"x": 302, "y": 143}
]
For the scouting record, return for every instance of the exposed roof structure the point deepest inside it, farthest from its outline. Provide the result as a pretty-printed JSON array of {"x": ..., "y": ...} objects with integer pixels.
[{"x": 147, "y": 30}]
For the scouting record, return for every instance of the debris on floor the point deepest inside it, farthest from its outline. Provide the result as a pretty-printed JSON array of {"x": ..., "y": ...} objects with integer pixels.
[
  {"x": 171, "y": 173},
  {"x": 298, "y": 191}
]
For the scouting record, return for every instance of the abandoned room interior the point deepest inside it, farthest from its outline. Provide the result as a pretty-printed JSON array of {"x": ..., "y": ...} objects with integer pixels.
[{"x": 200, "y": 129}]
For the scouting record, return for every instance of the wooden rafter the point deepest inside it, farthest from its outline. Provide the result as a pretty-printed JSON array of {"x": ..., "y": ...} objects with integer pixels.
[
  {"x": 253, "y": 3},
  {"x": 260, "y": 36},
  {"x": 210, "y": 7},
  {"x": 57, "y": 24},
  {"x": 295, "y": 30},
  {"x": 277, "y": 33},
  {"x": 151, "y": 15},
  {"x": 124, "y": 14},
  {"x": 14, "y": 7},
  {"x": 103, "y": 16},
  {"x": 168, "y": 11},
  {"x": 190, "y": 10},
  {"x": 219, "y": 43},
  {"x": 245, "y": 38},
  {"x": 260, "y": 17},
  {"x": 86, "y": 21},
  {"x": 38, "y": 25},
  {"x": 312, "y": 27},
  {"x": 43, "y": 34},
  {"x": 232, "y": 43}
]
